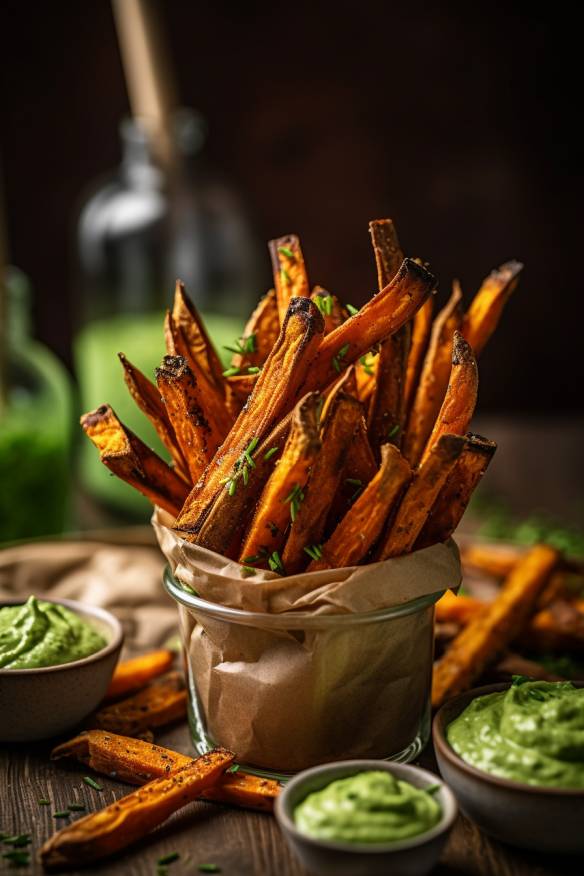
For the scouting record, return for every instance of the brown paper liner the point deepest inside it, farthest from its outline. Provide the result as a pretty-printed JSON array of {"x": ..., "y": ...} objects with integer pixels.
[{"x": 286, "y": 699}]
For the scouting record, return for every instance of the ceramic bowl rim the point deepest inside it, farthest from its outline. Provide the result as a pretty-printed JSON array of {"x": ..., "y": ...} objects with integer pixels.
[
  {"x": 83, "y": 609},
  {"x": 443, "y": 747},
  {"x": 402, "y": 771}
]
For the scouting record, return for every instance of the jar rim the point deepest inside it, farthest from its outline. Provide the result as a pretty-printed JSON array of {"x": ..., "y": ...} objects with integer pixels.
[{"x": 292, "y": 620}]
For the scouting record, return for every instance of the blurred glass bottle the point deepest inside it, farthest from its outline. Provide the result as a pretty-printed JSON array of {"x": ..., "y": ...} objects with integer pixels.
[
  {"x": 36, "y": 415},
  {"x": 137, "y": 233}
]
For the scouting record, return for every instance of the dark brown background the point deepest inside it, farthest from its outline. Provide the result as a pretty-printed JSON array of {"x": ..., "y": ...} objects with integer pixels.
[{"x": 457, "y": 119}]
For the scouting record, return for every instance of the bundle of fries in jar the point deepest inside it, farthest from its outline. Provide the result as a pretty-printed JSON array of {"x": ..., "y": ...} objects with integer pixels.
[{"x": 336, "y": 437}]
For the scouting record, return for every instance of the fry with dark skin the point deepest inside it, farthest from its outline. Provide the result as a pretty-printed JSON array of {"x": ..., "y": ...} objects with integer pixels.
[
  {"x": 197, "y": 436},
  {"x": 420, "y": 496},
  {"x": 277, "y": 503},
  {"x": 188, "y": 322},
  {"x": 434, "y": 378},
  {"x": 380, "y": 317},
  {"x": 289, "y": 270},
  {"x": 147, "y": 397},
  {"x": 487, "y": 634},
  {"x": 421, "y": 328},
  {"x": 310, "y": 518},
  {"x": 129, "y": 458},
  {"x": 263, "y": 328},
  {"x": 482, "y": 317},
  {"x": 452, "y": 501},
  {"x": 461, "y": 395},
  {"x": 131, "y": 675},
  {"x": 137, "y": 762},
  {"x": 334, "y": 314},
  {"x": 362, "y": 524},
  {"x": 131, "y": 818},
  {"x": 273, "y": 396},
  {"x": 158, "y": 704}
]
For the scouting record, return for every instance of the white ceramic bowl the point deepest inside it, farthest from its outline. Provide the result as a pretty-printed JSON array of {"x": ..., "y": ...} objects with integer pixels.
[
  {"x": 411, "y": 857},
  {"x": 41, "y": 703}
]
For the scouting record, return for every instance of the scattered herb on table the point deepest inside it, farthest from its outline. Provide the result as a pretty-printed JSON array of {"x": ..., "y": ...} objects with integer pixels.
[
  {"x": 92, "y": 783},
  {"x": 64, "y": 813},
  {"x": 18, "y": 858},
  {"x": 76, "y": 807},
  {"x": 18, "y": 840},
  {"x": 209, "y": 868},
  {"x": 44, "y": 802},
  {"x": 168, "y": 859}
]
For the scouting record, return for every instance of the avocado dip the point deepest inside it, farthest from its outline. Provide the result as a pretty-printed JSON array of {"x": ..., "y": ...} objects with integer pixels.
[
  {"x": 44, "y": 634},
  {"x": 370, "y": 807},
  {"x": 531, "y": 733}
]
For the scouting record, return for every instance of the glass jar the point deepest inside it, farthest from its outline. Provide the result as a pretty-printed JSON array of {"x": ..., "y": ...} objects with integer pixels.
[
  {"x": 292, "y": 690},
  {"x": 36, "y": 419}
]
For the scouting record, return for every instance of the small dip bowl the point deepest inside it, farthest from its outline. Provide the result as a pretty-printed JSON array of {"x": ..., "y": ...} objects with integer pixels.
[
  {"x": 528, "y": 816},
  {"x": 43, "y": 702},
  {"x": 410, "y": 857}
]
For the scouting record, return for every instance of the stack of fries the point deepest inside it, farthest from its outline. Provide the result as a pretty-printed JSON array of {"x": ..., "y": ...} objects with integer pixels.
[{"x": 336, "y": 437}]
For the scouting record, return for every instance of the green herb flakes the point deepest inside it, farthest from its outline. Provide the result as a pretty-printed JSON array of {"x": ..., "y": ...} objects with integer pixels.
[
  {"x": 168, "y": 859},
  {"x": 268, "y": 455},
  {"x": 209, "y": 868},
  {"x": 275, "y": 563},
  {"x": 92, "y": 783},
  {"x": 285, "y": 250},
  {"x": 351, "y": 310}
]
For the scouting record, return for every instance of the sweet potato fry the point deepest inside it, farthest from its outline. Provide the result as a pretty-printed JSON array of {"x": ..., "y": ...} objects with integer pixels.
[
  {"x": 496, "y": 560},
  {"x": 136, "y": 762},
  {"x": 188, "y": 322},
  {"x": 365, "y": 372},
  {"x": 362, "y": 524},
  {"x": 129, "y": 819},
  {"x": 454, "y": 497},
  {"x": 147, "y": 397},
  {"x": 274, "y": 395},
  {"x": 461, "y": 395},
  {"x": 383, "y": 315},
  {"x": 434, "y": 378},
  {"x": 279, "y": 499},
  {"x": 129, "y": 458},
  {"x": 360, "y": 464},
  {"x": 556, "y": 629},
  {"x": 387, "y": 250},
  {"x": 420, "y": 496},
  {"x": 310, "y": 517},
  {"x": 289, "y": 270},
  {"x": 198, "y": 436},
  {"x": 156, "y": 705},
  {"x": 481, "y": 318},
  {"x": 333, "y": 312},
  {"x": 493, "y": 629},
  {"x": 421, "y": 328},
  {"x": 131, "y": 675},
  {"x": 259, "y": 335}
]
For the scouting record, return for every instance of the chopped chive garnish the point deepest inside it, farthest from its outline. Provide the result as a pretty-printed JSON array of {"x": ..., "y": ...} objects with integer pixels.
[
  {"x": 249, "y": 569},
  {"x": 253, "y": 369},
  {"x": 319, "y": 408},
  {"x": 367, "y": 366},
  {"x": 295, "y": 497},
  {"x": 352, "y": 310},
  {"x": 209, "y": 868},
  {"x": 63, "y": 814},
  {"x": 19, "y": 840},
  {"x": 238, "y": 349},
  {"x": 393, "y": 431},
  {"x": 274, "y": 529},
  {"x": 43, "y": 802},
  {"x": 339, "y": 357},
  {"x": 92, "y": 783},
  {"x": 188, "y": 588},
  {"x": 232, "y": 488},
  {"x": 231, "y": 372},
  {"x": 355, "y": 482},
  {"x": 432, "y": 789},
  {"x": 234, "y": 768},
  {"x": 242, "y": 346},
  {"x": 76, "y": 807},
  {"x": 17, "y": 857},
  {"x": 314, "y": 551},
  {"x": 324, "y": 304},
  {"x": 168, "y": 859},
  {"x": 249, "y": 343},
  {"x": 285, "y": 250},
  {"x": 255, "y": 558},
  {"x": 270, "y": 453},
  {"x": 285, "y": 276},
  {"x": 275, "y": 563}
]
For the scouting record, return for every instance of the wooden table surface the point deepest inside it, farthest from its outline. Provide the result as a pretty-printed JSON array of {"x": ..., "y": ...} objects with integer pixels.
[{"x": 240, "y": 843}]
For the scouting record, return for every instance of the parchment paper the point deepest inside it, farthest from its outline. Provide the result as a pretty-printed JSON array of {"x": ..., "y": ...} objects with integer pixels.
[{"x": 286, "y": 699}]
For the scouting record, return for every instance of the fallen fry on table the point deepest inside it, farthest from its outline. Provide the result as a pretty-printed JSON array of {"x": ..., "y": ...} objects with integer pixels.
[
  {"x": 136, "y": 762},
  {"x": 434, "y": 376},
  {"x": 131, "y": 675},
  {"x": 197, "y": 436},
  {"x": 131, "y": 818},
  {"x": 461, "y": 395},
  {"x": 362, "y": 524},
  {"x": 279, "y": 498},
  {"x": 274, "y": 395},
  {"x": 420, "y": 496},
  {"x": 310, "y": 517},
  {"x": 289, "y": 270},
  {"x": 487, "y": 634},
  {"x": 160, "y": 703},
  {"x": 132, "y": 461},
  {"x": 453, "y": 499},
  {"x": 481, "y": 318},
  {"x": 421, "y": 328}
]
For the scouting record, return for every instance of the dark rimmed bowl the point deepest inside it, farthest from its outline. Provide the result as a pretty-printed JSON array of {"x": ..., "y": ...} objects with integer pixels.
[
  {"x": 410, "y": 857},
  {"x": 528, "y": 816},
  {"x": 43, "y": 702}
]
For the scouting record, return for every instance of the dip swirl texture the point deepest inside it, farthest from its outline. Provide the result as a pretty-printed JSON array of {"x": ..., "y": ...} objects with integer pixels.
[
  {"x": 370, "y": 807},
  {"x": 44, "y": 634},
  {"x": 531, "y": 733}
]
